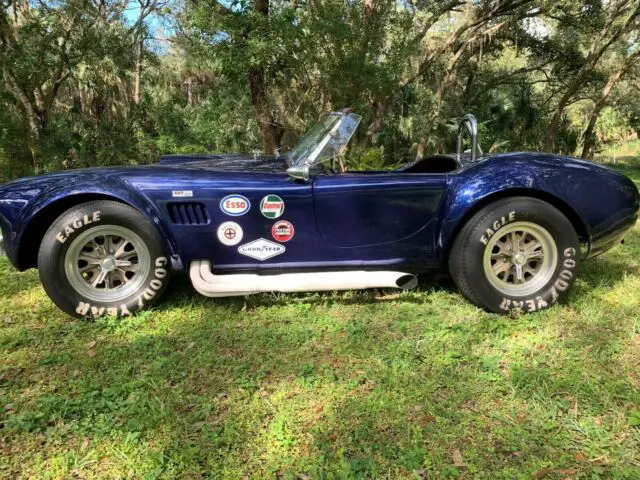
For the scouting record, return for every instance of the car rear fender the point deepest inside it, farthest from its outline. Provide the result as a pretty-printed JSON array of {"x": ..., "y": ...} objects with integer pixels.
[{"x": 469, "y": 194}]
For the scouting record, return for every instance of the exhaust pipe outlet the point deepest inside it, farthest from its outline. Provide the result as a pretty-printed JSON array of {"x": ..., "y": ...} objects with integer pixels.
[
  {"x": 210, "y": 285},
  {"x": 407, "y": 282}
]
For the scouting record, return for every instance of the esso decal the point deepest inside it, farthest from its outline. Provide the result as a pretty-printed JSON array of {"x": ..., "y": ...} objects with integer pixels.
[
  {"x": 230, "y": 233},
  {"x": 235, "y": 205},
  {"x": 272, "y": 206},
  {"x": 282, "y": 231}
]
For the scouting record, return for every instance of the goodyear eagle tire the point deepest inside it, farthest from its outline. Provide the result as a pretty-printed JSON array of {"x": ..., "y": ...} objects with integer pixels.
[
  {"x": 103, "y": 258},
  {"x": 518, "y": 254}
]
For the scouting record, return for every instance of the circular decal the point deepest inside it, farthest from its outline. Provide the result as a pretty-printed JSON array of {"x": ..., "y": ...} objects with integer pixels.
[
  {"x": 235, "y": 205},
  {"x": 230, "y": 233},
  {"x": 272, "y": 206},
  {"x": 282, "y": 231}
]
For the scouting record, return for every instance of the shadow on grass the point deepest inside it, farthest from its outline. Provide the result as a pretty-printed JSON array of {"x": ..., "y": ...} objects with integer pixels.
[
  {"x": 603, "y": 270},
  {"x": 355, "y": 384},
  {"x": 180, "y": 290},
  {"x": 243, "y": 395}
]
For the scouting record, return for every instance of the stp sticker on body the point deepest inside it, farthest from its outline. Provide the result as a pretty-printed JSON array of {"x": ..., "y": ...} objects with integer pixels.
[
  {"x": 230, "y": 233},
  {"x": 235, "y": 205},
  {"x": 261, "y": 249},
  {"x": 282, "y": 231},
  {"x": 182, "y": 193},
  {"x": 272, "y": 206}
]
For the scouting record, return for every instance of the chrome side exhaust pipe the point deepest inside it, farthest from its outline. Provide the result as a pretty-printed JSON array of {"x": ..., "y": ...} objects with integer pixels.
[{"x": 210, "y": 285}]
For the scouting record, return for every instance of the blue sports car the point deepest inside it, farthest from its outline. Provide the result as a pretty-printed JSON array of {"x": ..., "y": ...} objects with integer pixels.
[{"x": 512, "y": 229}]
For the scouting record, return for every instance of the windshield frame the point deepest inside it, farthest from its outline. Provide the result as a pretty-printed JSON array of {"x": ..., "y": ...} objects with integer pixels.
[{"x": 325, "y": 140}]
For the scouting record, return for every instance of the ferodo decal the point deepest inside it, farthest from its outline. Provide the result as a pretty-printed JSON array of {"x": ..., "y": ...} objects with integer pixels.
[
  {"x": 272, "y": 206},
  {"x": 562, "y": 283},
  {"x": 76, "y": 224},
  {"x": 282, "y": 231},
  {"x": 497, "y": 225},
  {"x": 235, "y": 205},
  {"x": 230, "y": 233},
  {"x": 155, "y": 284},
  {"x": 261, "y": 249}
]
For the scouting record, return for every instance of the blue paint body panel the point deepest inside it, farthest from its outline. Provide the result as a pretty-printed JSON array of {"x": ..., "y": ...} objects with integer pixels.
[{"x": 371, "y": 220}]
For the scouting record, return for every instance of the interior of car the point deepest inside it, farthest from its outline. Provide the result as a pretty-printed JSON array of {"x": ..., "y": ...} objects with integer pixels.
[{"x": 432, "y": 164}]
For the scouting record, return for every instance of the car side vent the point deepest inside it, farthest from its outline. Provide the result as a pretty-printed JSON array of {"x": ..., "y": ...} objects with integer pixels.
[{"x": 188, "y": 213}]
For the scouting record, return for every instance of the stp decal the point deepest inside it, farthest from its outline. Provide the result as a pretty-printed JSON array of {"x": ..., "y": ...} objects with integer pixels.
[
  {"x": 235, "y": 205},
  {"x": 261, "y": 249},
  {"x": 182, "y": 193},
  {"x": 282, "y": 231},
  {"x": 230, "y": 233},
  {"x": 272, "y": 206}
]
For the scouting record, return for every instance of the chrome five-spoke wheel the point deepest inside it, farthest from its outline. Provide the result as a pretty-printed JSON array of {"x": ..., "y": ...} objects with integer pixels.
[
  {"x": 520, "y": 259},
  {"x": 107, "y": 263}
]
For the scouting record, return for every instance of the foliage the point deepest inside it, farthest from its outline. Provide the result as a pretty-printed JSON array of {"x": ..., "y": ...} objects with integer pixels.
[
  {"x": 100, "y": 83},
  {"x": 367, "y": 384}
]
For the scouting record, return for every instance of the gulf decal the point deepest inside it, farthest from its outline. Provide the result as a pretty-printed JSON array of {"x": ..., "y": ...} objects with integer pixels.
[
  {"x": 235, "y": 205},
  {"x": 282, "y": 231},
  {"x": 272, "y": 206},
  {"x": 230, "y": 233}
]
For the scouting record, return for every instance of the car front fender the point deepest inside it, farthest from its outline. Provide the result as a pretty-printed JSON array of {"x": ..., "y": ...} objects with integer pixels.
[{"x": 37, "y": 202}]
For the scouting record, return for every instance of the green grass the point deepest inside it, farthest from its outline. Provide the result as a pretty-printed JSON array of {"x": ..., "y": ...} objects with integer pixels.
[{"x": 368, "y": 384}]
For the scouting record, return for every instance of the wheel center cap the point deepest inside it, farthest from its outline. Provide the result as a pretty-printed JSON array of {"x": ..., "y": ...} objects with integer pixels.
[
  {"x": 109, "y": 264},
  {"x": 519, "y": 258}
]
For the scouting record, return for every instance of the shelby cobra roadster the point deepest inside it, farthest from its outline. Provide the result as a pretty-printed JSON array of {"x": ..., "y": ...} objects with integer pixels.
[{"x": 511, "y": 229}]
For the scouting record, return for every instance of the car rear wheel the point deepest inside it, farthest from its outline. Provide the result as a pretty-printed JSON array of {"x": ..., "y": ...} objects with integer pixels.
[
  {"x": 103, "y": 258},
  {"x": 518, "y": 253}
]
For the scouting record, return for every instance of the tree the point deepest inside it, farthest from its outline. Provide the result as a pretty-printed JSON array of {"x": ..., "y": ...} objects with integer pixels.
[
  {"x": 38, "y": 57},
  {"x": 616, "y": 18},
  {"x": 615, "y": 76}
]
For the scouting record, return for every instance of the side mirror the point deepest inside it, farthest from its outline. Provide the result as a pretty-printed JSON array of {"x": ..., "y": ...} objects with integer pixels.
[{"x": 299, "y": 172}]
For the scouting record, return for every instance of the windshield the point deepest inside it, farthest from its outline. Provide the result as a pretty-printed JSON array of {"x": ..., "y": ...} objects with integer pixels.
[{"x": 325, "y": 140}]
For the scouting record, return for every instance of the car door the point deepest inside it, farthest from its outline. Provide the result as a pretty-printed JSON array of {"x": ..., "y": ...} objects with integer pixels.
[
  {"x": 375, "y": 208},
  {"x": 238, "y": 220}
]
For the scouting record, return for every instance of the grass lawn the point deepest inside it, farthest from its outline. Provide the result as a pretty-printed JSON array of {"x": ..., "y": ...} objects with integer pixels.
[{"x": 370, "y": 384}]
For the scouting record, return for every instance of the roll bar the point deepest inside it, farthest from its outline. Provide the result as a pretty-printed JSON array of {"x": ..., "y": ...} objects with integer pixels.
[{"x": 471, "y": 124}]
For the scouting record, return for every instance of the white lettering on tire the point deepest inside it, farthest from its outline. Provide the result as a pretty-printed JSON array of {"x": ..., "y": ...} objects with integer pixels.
[
  {"x": 560, "y": 285},
  {"x": 497, "y": 225},
  {"x": 76, "y": 224},
  {"x": 155, "y": 284}
]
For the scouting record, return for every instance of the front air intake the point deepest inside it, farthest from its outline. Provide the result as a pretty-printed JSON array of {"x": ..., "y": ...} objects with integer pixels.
[{"x": 188, "y": 213}]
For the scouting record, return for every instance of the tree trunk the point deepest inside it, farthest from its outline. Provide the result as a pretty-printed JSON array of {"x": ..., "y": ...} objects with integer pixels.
[
  {"x": 189, "y": 83},
  {"x": 137, "y": 73},
  {"x": 588, "y": 148},
  {"x": 375, "y": 125},
  {"x": 36, "y": 161},
  {"x": 554, "y": 126},
  {"x": 270, "y": 132}
]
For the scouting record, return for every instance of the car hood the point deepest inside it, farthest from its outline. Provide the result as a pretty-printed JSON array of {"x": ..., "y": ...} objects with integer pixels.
[{"x": 225, "y": 162}]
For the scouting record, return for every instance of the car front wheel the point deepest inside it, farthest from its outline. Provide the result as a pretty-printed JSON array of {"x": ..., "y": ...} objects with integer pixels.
[
  {"x": 519, "y": 254},
  {"x": 103, "y": 258}
]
